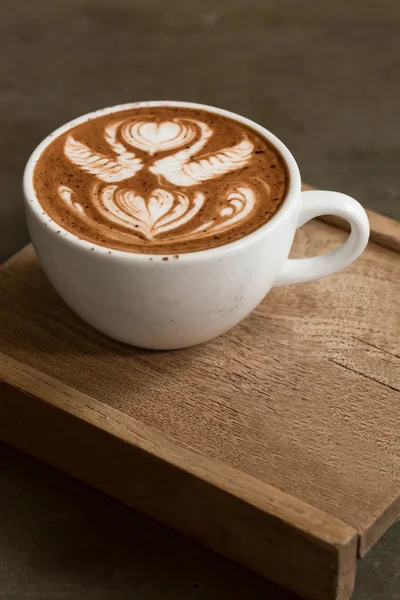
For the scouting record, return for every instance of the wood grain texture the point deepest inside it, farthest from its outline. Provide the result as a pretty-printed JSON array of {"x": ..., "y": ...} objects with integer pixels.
[
  {"x": 234, "y": 514},
  {"x": 288, "y": 424}
]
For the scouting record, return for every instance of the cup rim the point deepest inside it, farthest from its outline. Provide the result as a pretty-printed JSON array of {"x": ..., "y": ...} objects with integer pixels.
[{"x": 32, "y": 203}]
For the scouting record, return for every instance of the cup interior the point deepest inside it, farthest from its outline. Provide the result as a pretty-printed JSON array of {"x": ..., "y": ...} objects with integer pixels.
[{"x": 294, "y": 186}]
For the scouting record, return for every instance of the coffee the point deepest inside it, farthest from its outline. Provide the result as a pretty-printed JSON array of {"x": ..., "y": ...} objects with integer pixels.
[{"x": 160, "y": 180}]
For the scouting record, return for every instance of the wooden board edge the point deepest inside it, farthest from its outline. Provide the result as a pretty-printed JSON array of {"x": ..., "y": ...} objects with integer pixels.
[
  {"x": 370, "y": 536},
  {"x": 287, "y": 541},
  {"x": 384, "y": 231},
  {"x": 324, "y": 527}
]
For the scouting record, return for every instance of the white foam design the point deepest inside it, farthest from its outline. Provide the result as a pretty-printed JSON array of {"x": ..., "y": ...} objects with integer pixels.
[
  {"x": 241, "y": 202},
  {"x": 107, "y": 169},
  {"x": 68, "y": 196},
  {"x": 164, "y": 210},
  {"x": 179, "y": 170},
  {"x": 153, "y": 137}
]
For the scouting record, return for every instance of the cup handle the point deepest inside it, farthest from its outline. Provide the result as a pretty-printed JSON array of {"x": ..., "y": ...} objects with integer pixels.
[{"x": 314, "y": 204}]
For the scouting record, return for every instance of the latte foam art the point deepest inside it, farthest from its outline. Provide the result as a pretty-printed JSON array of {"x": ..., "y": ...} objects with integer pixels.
[
  {"x": 159, "y": 181},
  {"x": 156, "y": 137}
]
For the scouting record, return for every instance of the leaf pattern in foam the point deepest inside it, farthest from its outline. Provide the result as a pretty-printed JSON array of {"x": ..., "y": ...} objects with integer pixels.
[
  {"x": 179, "y": 171},
  {"x": 100, "y": 165}
]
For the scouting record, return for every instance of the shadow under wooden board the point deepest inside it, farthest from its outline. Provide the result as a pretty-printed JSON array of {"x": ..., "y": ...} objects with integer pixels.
[{"x": 277, "y": 444}]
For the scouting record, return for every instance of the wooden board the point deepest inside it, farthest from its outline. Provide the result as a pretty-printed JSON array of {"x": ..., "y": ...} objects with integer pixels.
[{"x": 277, "y": 445}]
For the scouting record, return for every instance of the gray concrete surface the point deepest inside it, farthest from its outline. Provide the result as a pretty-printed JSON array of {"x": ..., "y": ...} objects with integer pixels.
[{"x": 323, "y": 76}]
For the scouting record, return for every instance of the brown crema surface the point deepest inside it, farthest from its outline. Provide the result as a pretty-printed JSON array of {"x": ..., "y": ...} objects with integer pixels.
[{"x": 160, "y": 180}]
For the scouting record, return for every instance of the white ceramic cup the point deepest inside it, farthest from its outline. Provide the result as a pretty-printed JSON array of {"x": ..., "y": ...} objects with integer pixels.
[{"x": 175, "y": 303}]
